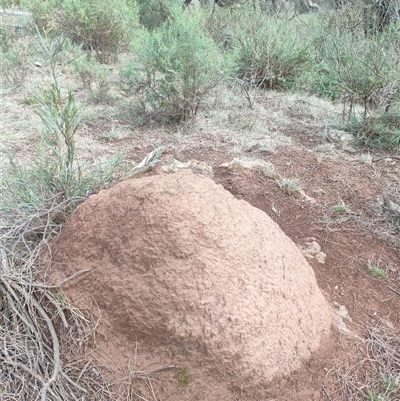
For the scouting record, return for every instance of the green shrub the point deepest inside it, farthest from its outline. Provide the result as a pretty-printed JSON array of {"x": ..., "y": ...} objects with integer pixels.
[
  {"x": 153, "y": 13},
  {"x": 14, "y": 66},
  {"x": 102, "y": 26},
  {"x": 367, "y": 76},
  {"x": 366, "y": 69},
  {"x": 42, "y": 12},
  {"x": 4, "y": 39},
  {"x": 175, "y": 67},
  {"x": 54, "y": 170},
  {"x": 220, "y": 25},
  {"x": 271, "y": 53},
  {"x": 94, "y": 77},
  {"x": 323, "y": 81},
  {"x": 9, "y": 3},
  {"x": 380, "y": 130}
]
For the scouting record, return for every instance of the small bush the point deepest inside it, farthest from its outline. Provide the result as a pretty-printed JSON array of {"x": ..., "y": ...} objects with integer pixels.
[
  {"x": 104, "y": 27},
  {"x": 4, "y": 39},
  {"x": 94, "y": 77},
  {"x": 363, "y": 71},
  {"x": 54, "y": 171},
  {"x": 366, "y": 69},
  {"x": 14, "y": 66},
  {"x": 269, "y": 52},
  {"x": 153, "y": 13},
  {"x": 381, "y": 130},
  {"x": 175, "y": 67}
]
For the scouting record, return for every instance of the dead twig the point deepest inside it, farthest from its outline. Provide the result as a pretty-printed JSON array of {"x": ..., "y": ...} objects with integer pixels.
[
  {"x": 385, "y": 157},
  {"x": 392, "y": 289}
]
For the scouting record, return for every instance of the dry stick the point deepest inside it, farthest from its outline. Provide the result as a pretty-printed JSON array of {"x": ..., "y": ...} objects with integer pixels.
[
  {"x": 22, "y": 317},
  {"x": 56, "y": 347},
  {"x": 161, "y": 369},
  {"x": 25, "y": 317},
  {"x": 10, "y": 294},
  {"x": 73, "y": 383},
  {"x": 386, "y": 157},
  {"x": 33, "y": 374},
  {"x": 390, "y": 288},
  {"x": 326, "y": 393},
  {"x": 41, "y": 285},
  {"x": 56, "y": 304},
  {"x": 83, "y": 370}
]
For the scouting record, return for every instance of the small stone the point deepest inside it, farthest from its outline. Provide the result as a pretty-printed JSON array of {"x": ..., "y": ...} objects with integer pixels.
[
  {"x": 308, "y": 253},
  {"x": 388, "y": 323},
  {"x": 341, "y": 311},
  {"x": 320, "y": 256},
  {"x": 196, "y": 167},
  {"x": 306, "y": 197},
  {"x": 247, "y": 163}
]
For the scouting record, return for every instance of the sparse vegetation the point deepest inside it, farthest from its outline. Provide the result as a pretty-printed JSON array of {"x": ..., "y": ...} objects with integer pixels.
[
  {"x": 268, "y": 170},
  {"x": 375, "y": 269},
  {"x": 340, "y": 208},
  {"x": 14, "y": 64},
  {"x": 94, "y": 76},
  {"x": 55, "y": 170},
  {"x": 375, "y": 377},
  {"x": 289, "y": 185},
  {"x": 182, "y": 376}
]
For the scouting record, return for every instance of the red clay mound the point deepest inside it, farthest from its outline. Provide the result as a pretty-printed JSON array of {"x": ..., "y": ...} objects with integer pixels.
[{"x": 178, "y": 263}]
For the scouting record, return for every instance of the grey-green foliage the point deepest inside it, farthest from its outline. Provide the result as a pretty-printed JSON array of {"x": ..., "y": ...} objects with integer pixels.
[
  {"x": 9, "y": 3},
  {"x": 175, "y": 66},
  {"x": 14, "y": 66},
  {"x": 270, "y": 52},
  {"x": 94, "y": 77},
  {"x": 366, "y": 68},
  {"x": 153, "y": 13},
  {"x": 4, "y": 39},
  {"x": 368, "y": 79},
  {"x": 102, "y": 26}
]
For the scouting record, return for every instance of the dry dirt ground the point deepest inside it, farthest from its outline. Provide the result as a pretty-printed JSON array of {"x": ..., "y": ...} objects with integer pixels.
[
  {"x": 344, "y": 207},
  {"x": 295, "y": 135},
  {"x": 329, "y": 171}
]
